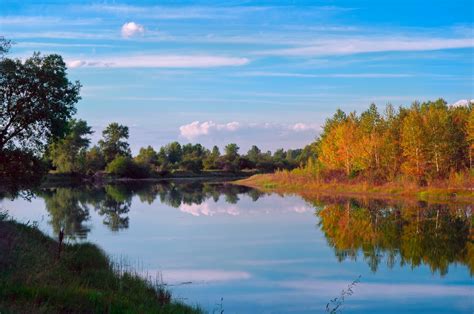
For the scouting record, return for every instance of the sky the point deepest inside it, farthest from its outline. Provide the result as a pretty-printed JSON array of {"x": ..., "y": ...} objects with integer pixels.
[{"x": 251, "y": 72}]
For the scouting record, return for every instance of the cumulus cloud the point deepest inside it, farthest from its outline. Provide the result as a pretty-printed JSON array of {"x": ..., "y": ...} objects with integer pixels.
[
  {"x": 131, "y": 29},
  {"x": 298, "y": 127},
  {"x": 162, "y": 61},
  {"x": 462, "y": 103},
  {"x": 196, "y": 128}
]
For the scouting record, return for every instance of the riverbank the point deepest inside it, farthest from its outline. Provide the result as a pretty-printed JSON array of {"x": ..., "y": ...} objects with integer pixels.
[
  {"x": 37, "y": 275},
  {"x": 286, "y": 182},
  {"x": 54, "y": 179}
]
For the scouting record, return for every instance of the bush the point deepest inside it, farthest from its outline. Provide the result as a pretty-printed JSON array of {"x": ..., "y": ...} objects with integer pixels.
[
  {"x": 192, "y": 164},
  {"x": 125, "y": 167}
]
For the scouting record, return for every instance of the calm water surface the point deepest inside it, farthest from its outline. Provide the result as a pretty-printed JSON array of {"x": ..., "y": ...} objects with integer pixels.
[{"x": 233, "y": 247}]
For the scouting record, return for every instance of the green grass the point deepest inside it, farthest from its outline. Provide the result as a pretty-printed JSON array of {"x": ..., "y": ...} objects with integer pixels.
[{"x": 33, "y": 279}]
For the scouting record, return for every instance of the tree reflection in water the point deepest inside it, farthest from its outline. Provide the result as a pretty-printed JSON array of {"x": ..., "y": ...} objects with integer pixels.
[
  {"x": 396, "y": 233},
  {"x": 69, "y": 206},
  {"x": 413, "y": 233}
]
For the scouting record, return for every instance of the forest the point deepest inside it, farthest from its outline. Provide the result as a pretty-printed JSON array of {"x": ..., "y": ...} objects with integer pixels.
[{"x": 428, "y": 144}]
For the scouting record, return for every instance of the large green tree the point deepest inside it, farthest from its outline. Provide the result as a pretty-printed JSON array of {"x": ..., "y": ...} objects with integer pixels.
[
  {"x": 114, "y": 142},
  {"x": 36, "y": 101},
  {"x": 68, "y": 154}
]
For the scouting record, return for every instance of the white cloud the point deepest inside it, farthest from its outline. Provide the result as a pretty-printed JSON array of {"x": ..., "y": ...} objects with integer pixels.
[
  {"x": 163, "y": 61},
  {"x": 298, "y": 127},
  {"x": 346, "y": 46},
  {"x": 462, "y": 103},
  {"x": 75, "y": 63},
  {"x": 209, "y": 209},
  {"x": 196, "y": 129},
  {"x": 131, "y": 29}
]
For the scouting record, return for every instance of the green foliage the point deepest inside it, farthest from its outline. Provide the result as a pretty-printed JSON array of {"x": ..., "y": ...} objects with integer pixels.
[
  {"x": 68, "y": 154},
  {"x": 36, "y": 101},
  {"x": 114, "y": 142},
  {"x": 126, "y": 167},
  {"x": 83, "y": 280},
  {"x": 148, "y": 157},
  {"x": 95, "y": 160},
  {"x": 231, "y": 151}
]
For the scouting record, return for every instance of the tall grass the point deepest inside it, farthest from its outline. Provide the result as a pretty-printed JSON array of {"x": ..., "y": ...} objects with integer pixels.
[
  {"x": 83, "y": 280},
  {"x": 314, "y": 178}
]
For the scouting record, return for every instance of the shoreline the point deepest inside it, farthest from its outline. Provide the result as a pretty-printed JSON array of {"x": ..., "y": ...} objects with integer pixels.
[
  {"x": 271, "y": 183},
  {"x": 60, "y": 179},
  {"x": 40, "y": 274}
]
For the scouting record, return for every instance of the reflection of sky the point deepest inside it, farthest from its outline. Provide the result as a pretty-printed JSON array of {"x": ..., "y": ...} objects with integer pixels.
[{"x": 266, "y": 256}]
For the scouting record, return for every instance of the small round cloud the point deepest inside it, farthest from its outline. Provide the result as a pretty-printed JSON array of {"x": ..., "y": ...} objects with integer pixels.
[{"x": 131, "y": 29}]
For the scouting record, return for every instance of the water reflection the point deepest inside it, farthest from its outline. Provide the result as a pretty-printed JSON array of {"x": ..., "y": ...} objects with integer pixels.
[
  {"x": 401, "y": 233},
  {"x": 69, "y": 207}
]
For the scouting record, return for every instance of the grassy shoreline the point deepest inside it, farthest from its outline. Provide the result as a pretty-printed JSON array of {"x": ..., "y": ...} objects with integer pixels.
[
  {"x": 37, "y": 275},
  {"x": 287, "y": 183}
]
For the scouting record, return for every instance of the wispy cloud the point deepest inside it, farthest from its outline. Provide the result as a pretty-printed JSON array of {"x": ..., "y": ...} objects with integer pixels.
[
  {"x": 160, "y": 61},
  {"x": 41, "y": 21},
  {"x": 174, "y": 12},
  {"x": 346, "y": 46},
  {"x": 328, "y": 75}
]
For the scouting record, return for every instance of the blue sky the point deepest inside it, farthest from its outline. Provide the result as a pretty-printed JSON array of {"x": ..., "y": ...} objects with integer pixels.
[{"x": 266, "y": 72}]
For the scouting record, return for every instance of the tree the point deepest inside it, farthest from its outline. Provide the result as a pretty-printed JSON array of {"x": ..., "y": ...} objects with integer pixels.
[
  {"x": 440, "y": 141},
  {"x": 126, "y": 167},
  {"x": 114, "y": 142},
  {"x": 254, "y": 154},
  {"x": 470, "y": 138},
  {"x": 232, "y": 151},
  {"x": 95, "y": 160},
  {"x": 4, "y": 46},
  {"x": 68, "y": 154},
  {"x": 413, "y": 143},
  {"x": 340, "y": 146},
  {"x": 36, "y": 101},
  {"x": 211, "y": 161},
  {"x": 174, "y": 152},
  {"x": 147, "y": 156}
]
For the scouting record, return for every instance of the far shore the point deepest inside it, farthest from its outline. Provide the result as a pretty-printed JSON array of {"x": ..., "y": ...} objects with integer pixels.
[{"x": 307, "y": 189}]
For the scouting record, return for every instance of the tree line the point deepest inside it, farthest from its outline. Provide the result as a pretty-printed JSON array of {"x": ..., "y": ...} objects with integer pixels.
[
  {"x": 38, "y": 133},
  {"x": 72, "y": 154},
  {"x": 425, "y": 142}
]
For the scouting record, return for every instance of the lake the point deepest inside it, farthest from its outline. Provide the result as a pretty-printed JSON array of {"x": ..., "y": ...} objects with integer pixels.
[{"x": 236, "y": 249}]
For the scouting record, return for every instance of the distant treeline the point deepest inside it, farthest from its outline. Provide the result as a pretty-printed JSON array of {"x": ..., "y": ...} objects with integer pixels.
[
  {"x": 424, "y": 143},
  {"x": 112, "y": 155},
  {"x": 38, "y": 133}
]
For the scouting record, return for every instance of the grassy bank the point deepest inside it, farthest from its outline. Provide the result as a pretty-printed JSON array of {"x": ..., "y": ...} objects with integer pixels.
[
  {"x": 290, "y": 182},
  {"x": 35, "y": 278}
]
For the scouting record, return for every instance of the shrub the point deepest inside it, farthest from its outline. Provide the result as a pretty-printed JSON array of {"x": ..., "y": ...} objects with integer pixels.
[{"x": 125, "y": 167}]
